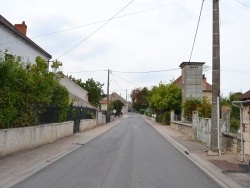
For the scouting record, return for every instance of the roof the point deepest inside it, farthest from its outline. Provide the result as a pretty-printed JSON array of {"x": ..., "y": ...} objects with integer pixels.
[
  {"x": 112, "y": 97},
  {"x": 245, "y": 96},
  {"x": 73, "y": 88},
  {"x": 6, "y": 24},
  {"x": 205, "y": 85},
  {"x": 191, "y": 63}
]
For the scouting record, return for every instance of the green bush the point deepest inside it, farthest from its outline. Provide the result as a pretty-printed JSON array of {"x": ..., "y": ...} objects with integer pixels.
[
  {"x": 234, "y": 125},
  {"x": 142, "y": 111},
  {"x": 163, "y": 118},
  {"x": 26, "y": 90}
]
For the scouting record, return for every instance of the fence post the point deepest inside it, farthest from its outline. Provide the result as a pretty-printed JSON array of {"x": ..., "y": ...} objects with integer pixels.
[
  {"x": 172, "y": 116},
  {"x": 194, "y": 124}
]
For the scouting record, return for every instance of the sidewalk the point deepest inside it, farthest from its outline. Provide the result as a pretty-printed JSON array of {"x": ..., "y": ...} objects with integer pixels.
[
  {"x": 19, "y": 166},
  {"x": 226, "y": 169}
]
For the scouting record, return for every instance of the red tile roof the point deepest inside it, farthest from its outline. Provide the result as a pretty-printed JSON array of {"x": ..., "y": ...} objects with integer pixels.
[
  {"x": 245, "y": 96},
  {"x": 205, "y": 85}
]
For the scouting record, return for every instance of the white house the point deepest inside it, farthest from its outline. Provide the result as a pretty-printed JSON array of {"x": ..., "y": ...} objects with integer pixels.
[
  {"x": 78, "y": 95},
  {"x": 13, "y": 38},
  {"x": 112, "y": 97}
]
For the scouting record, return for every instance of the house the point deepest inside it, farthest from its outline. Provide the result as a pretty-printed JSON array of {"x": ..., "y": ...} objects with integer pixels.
[
  {"x": 78, "y": 95},
  {"x": 245, "y": 98},
  {"x": 112, "y": 97},
  {"x": 14, "y": 40}
]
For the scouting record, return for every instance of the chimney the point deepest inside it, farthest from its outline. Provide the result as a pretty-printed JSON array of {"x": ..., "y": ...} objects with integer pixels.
[
  {"x": 21, "y": 27},
  {"x": 204, "y": 82}
]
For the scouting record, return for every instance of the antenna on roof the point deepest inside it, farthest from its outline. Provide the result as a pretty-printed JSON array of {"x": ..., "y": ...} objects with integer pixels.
[{"x": 206, "y": 68}]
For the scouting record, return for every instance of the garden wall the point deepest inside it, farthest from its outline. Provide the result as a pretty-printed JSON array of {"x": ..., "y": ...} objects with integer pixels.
[{"x": 17, "y": 139}]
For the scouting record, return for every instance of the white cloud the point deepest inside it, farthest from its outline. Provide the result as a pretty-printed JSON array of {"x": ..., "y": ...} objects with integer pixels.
[{"x": 156, "y": 39}]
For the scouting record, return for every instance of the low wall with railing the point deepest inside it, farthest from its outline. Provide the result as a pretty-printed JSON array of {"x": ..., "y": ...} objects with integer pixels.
[{"x": 17, "y": 139}]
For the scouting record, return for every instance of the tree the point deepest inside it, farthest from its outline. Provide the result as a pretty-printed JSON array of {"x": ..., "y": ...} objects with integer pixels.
[
  {"x": 139, "y": 98},
  {"x": 94, "y": 88},
  {"x": 163, "y": 99},
  {"x": 117, "y": 105},
  {"x": 203, "y": 106},
  {"x": 25, "y": 91},
  {"x": 234, "y": 111}
]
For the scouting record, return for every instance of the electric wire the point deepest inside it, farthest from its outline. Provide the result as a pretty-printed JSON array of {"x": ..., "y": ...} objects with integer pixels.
[
  {"x": 97, "y": 22},
  {"x": 235, "y": 71},
  {"x": 85, "y": 71},
  {"x": 145, "y": 72},
  {"x": 126, "y": 80},
  {"x": 243, "y": 4},
  {"x": 95, "y": 30},
  {"x": 115, "y": 80},
  {"x": 196, "y": 30}
]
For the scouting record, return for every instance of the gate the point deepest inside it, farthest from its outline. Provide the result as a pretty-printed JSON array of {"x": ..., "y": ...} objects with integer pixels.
[
  {"x": 78, "y": 113},
  {"x": 204, "y": 131}
]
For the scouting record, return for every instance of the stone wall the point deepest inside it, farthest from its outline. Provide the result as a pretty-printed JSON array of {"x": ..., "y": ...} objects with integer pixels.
[
  {"x": 230, "y": 142},
  {"x": 183, "y": 127}
]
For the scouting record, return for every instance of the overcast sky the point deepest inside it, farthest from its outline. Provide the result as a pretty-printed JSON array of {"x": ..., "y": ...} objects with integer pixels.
[{"x": 148, "y": 35}]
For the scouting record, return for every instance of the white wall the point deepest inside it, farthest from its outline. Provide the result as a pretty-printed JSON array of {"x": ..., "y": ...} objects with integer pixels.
[
  {"x": 17, "y": 139},
  {"x": 78, "y": 93},
  {"x": 18, "y": 47},
  {"x": 86, "y": 124}
]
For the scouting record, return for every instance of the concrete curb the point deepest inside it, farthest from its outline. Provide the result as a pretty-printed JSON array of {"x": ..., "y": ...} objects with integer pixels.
[
  {"x": 9, "y": 182},
  {"x": 212, "y": 171}
]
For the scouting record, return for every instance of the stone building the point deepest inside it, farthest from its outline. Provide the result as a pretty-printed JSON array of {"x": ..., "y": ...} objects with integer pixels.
[{"x": 193, "y": 82}]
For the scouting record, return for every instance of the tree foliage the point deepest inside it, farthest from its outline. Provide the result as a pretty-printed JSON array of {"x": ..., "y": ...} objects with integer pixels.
[
  {"x": 117, "y": 105},
  {"x": 203, "y": 106},
  {"x": 25, "y": 91},
  {"x": 163, "y": 99},
  {"x": 94, "y": 89},
  {"x": 234, "y": 111},
  {"x": 139, "y": 98}
]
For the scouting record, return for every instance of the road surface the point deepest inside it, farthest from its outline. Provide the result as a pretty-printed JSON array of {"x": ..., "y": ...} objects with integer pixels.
[{"x": 130, "y": 155}]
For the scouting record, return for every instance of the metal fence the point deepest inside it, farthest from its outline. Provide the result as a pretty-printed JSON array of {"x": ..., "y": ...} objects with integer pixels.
[{"x": 52, "y": 113}]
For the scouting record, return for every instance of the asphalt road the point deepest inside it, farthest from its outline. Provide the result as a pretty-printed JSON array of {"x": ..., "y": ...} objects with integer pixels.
[{"x": 130, "y": 155}]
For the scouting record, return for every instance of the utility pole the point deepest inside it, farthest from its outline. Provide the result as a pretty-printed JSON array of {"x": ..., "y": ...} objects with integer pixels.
[
  {"x": 215, "y": 76},
  {"x": 108, "y": 91},
  {"x": 107, "y": 115}
]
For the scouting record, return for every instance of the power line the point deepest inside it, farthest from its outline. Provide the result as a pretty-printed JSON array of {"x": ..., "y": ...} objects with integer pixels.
[
  {"x": 236, "y": 71},
  {"x": 196, "y": 30},
  {"x": 87, "y": 71},
  {"x": 97, "y": 22},
  {"x": 125, "y": 80},
  {"x": 143, "y": 72},
  {"x": 243, "y": 4},
  {"x": 115, "y": 80},
  {"x": 95, "y": 30}
]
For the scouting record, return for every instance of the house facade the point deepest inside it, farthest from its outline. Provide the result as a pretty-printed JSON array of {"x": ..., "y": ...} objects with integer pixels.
[
  {"x": 112, "y": 97},
  {"x": 78, "y": 95},
  {"x": 14, "y": 40},
  {"x": 245, "y": 97}
]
